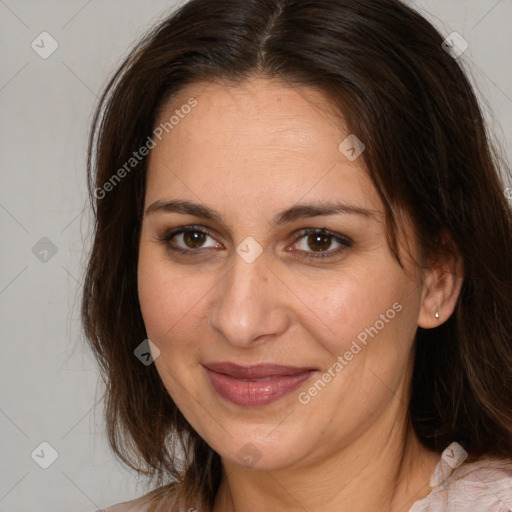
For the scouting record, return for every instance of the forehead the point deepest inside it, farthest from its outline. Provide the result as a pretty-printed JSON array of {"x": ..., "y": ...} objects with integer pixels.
[{"x": 262, "y": 142}]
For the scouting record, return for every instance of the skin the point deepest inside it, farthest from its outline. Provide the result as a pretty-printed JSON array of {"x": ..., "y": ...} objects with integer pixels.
[{"x": 249, "y": 151}]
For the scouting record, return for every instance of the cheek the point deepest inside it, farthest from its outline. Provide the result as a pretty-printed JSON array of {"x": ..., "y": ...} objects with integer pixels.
[
  {"x": 171, "y": 299},
  {"x": 361, "y": 305},
  {"x": 170, "y": 305},
  {"x": 373, "y": 349},
  {"x": 373, "y": 316},
  {"x": 157, "y": 294}
]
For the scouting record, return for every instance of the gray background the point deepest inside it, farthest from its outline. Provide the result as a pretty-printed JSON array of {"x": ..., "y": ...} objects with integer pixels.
[{"x": 48, "y": 379}]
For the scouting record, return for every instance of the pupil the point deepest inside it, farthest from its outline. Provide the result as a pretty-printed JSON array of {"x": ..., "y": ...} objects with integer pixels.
[
  {"x": 320, "y": 238},
  {"x": 194, "y": 238}
]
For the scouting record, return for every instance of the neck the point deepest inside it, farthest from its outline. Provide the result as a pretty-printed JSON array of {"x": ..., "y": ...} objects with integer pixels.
[{"x": 387, "y": 473}]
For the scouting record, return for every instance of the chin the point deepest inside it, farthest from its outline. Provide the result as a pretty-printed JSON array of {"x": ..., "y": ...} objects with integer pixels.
[{"x": 261, "y": 449}]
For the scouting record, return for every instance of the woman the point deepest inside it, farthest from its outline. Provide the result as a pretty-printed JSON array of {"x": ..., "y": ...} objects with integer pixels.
[{"x": 299, "y": 291}]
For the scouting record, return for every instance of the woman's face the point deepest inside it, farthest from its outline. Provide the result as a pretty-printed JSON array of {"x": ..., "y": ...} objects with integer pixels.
[{"x": 254, "y": 291}]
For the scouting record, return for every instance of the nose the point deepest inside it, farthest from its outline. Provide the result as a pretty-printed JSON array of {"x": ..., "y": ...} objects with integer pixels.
[{"x": 249, "y": 306}]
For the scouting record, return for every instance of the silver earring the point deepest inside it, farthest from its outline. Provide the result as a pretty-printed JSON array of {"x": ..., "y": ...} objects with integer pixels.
[{"x": 437, "y": 313}]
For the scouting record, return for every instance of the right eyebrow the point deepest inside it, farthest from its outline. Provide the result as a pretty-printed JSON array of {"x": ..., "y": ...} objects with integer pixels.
[
  {"x": 185, "y": 208},
  {"x": 299, "y": 211}
]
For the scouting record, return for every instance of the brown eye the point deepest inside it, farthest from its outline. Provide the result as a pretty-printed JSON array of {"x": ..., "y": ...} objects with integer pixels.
[
  {"x": 188, "y": 239},
  {"x": 315, "y": 243},
  {"x": 319, "y": 242},
  {"x": 194, "y": 239}
]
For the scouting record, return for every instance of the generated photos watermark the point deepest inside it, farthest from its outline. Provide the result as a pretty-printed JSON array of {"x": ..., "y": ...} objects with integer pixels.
[
  {"x": 143, "y": 151},
  {"x": 339, "y": 364}
]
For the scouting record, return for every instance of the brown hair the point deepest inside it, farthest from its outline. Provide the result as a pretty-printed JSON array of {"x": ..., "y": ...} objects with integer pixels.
[{"x": 427, "y": 152}]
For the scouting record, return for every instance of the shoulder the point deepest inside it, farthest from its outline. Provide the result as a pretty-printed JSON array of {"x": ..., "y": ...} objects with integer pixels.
[
  {"x": 126, "y": 506},
  {"x": 483, "y": 485},
  {"x": 147, "y": 503},
  {"x": 161, "y": 499}
]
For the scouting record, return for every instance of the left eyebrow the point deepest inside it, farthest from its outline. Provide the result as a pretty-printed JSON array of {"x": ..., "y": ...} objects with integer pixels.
[
  {"x": 307, "y": 210},
  {"x": 296, "y": 212}
]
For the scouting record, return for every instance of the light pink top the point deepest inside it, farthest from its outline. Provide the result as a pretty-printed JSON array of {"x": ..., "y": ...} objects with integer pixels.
[{"x": 481, "y": 486}]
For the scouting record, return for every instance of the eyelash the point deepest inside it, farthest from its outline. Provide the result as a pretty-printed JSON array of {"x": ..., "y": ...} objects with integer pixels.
[{"x": 344, "y": 241}]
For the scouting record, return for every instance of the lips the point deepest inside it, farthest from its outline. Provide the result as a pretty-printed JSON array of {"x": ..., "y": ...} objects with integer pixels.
[
  {"x": 255, "y": 385},
  {"x": 260, "y": 371}
]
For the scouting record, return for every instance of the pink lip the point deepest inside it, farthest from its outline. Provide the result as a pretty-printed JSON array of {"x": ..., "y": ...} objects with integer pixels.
[{"x": 255, "y": 385}]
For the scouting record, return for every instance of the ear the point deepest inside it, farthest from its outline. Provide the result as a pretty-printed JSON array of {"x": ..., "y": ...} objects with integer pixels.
[{"x": 441, "y": 287}]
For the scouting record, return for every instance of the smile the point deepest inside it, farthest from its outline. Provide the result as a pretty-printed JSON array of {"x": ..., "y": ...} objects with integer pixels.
[{"x": 255, "y": 385}]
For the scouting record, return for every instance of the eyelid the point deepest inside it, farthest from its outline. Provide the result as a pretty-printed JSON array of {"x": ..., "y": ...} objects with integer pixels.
[
  {"x": 322, "y": 231},
  {"x": 343, "y": 240},
  {"x": 184, "y": 229}
]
